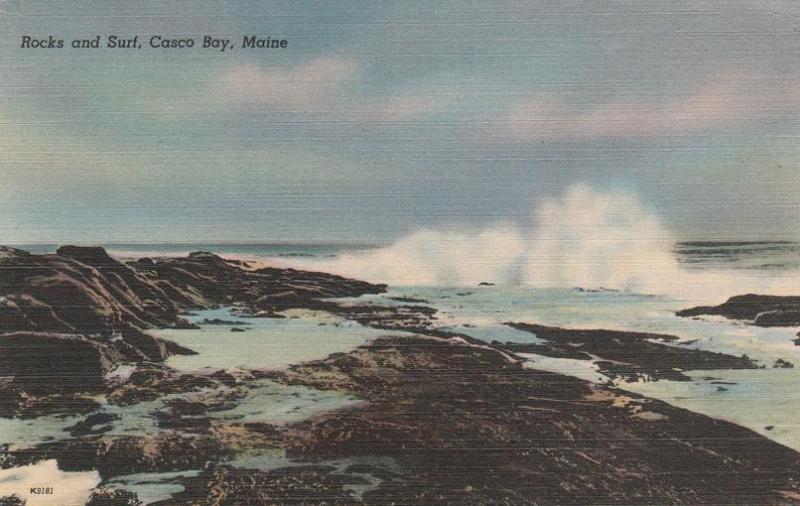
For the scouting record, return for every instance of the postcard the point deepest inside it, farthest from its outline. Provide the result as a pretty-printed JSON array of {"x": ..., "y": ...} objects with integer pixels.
[{"x": 504, "y": 252}]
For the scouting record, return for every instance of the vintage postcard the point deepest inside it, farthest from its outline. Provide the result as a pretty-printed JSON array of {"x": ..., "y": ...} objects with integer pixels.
[{"x": 512, "y": 252}]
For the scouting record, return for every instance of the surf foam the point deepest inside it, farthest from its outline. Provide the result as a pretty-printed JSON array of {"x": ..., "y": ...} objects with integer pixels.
[{"x": 582, "y": 238}]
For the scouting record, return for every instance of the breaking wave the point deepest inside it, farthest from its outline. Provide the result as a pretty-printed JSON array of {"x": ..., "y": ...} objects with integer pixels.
[{"x": 582, "y": 238}]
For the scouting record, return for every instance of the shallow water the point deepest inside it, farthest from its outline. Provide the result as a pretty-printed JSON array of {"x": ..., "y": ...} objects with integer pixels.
[
  {"x": 757, "y": 399},
  {"x": 266, "y": 343},
  {"x": 371, "y": 466},
  {"x": 151, "y": 487},
  {"x": 27, "y": 432},
  {"x": 279, "y": 404}
]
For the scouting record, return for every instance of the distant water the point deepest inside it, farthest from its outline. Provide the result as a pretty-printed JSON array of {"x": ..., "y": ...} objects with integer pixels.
[
  {"x": 279, "y": 250},
  {"x": 767, "y": 255},
  {"x": 777, "y": 255}
]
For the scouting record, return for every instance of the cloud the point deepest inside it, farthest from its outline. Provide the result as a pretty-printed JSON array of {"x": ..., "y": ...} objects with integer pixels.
[
  {"x": 318, "y": 89},
  {"x": 711, "y": 106},
  {"x": 398, "y": 108},
  {"x": 304, "y": 85}
]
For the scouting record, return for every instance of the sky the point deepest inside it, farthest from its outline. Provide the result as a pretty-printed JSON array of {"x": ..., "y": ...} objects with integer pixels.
[{"x": 381, "y": 118}]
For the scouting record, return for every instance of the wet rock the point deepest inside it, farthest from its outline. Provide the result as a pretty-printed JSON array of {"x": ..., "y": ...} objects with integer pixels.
[
  {"x": 782, "y": 364},
  {"x": 218, "y": 321},
  {"x": 79, "y": 290},
  {"x": 83, "y": 291},
  {"x": 418, "y": 319},
  {"x": 46, "y": 362},
  {"x": 113, "y": 497},
  {"x": 410, "y": 300},
  {"x": 152, "y": 381},
  {"x": 95, "y": 423},
  {"x": 522, "y": 436},
  {"x": 153, "y": 348},
  {"x": 16, "y": 402},
  {"x": 294, "y": 485},
  {"x": 210, "y": 281},
  {"x": 120, "y": 455},
  {"x": 633, "y": 355},
  {"x": 567, "y": 351},
  {"x": 760, "y": 310}
]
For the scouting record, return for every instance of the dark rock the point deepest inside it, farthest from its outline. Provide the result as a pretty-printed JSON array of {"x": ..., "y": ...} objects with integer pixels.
[
  {"x": 16, "y": 401},
  {"x": 630, "y": 355},
  {"x": 566, "y": 351},
  {"x": 45, "y": 363},
  {"x": 522, "y": 436},
  {"x": 783, "y": 364},
  {"x": 292, "y": 485},
  {"x": 152, "y": 381},
  {"x": 119, "y": 455},
  {"x": 217, "y": 321},
  {"x": 154, "y": 348},
  {"x": 113, "y": 497},
  {"x": 82, "y": 291},
  {"x": 95, "y": 423},
  {"x": 760, "y": 310},
  {"x": 68, "y": 318},
  {"x": 209, "y": 281},
  {"x": 405, "y": 318},
  {"x": 409, "y": 300}
]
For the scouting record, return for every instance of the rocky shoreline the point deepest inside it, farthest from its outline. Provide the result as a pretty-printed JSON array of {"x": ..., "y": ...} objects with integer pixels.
[
  {"x": 434, "y": 417},
  {"x": 69, "y": 318}
]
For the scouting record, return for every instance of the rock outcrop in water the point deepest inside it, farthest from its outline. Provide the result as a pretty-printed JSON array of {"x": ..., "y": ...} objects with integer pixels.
[
  {"x": 760, "y": 310},
  {"x": 207, "y": 280},
  {"x": 623, "y": 354},
  {"x": 83, "y": 290},
  {"x": 79, "y": 291}
]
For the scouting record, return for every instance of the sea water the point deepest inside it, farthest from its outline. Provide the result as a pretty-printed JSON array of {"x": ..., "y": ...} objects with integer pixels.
[{"x": 264, "y": 343}]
